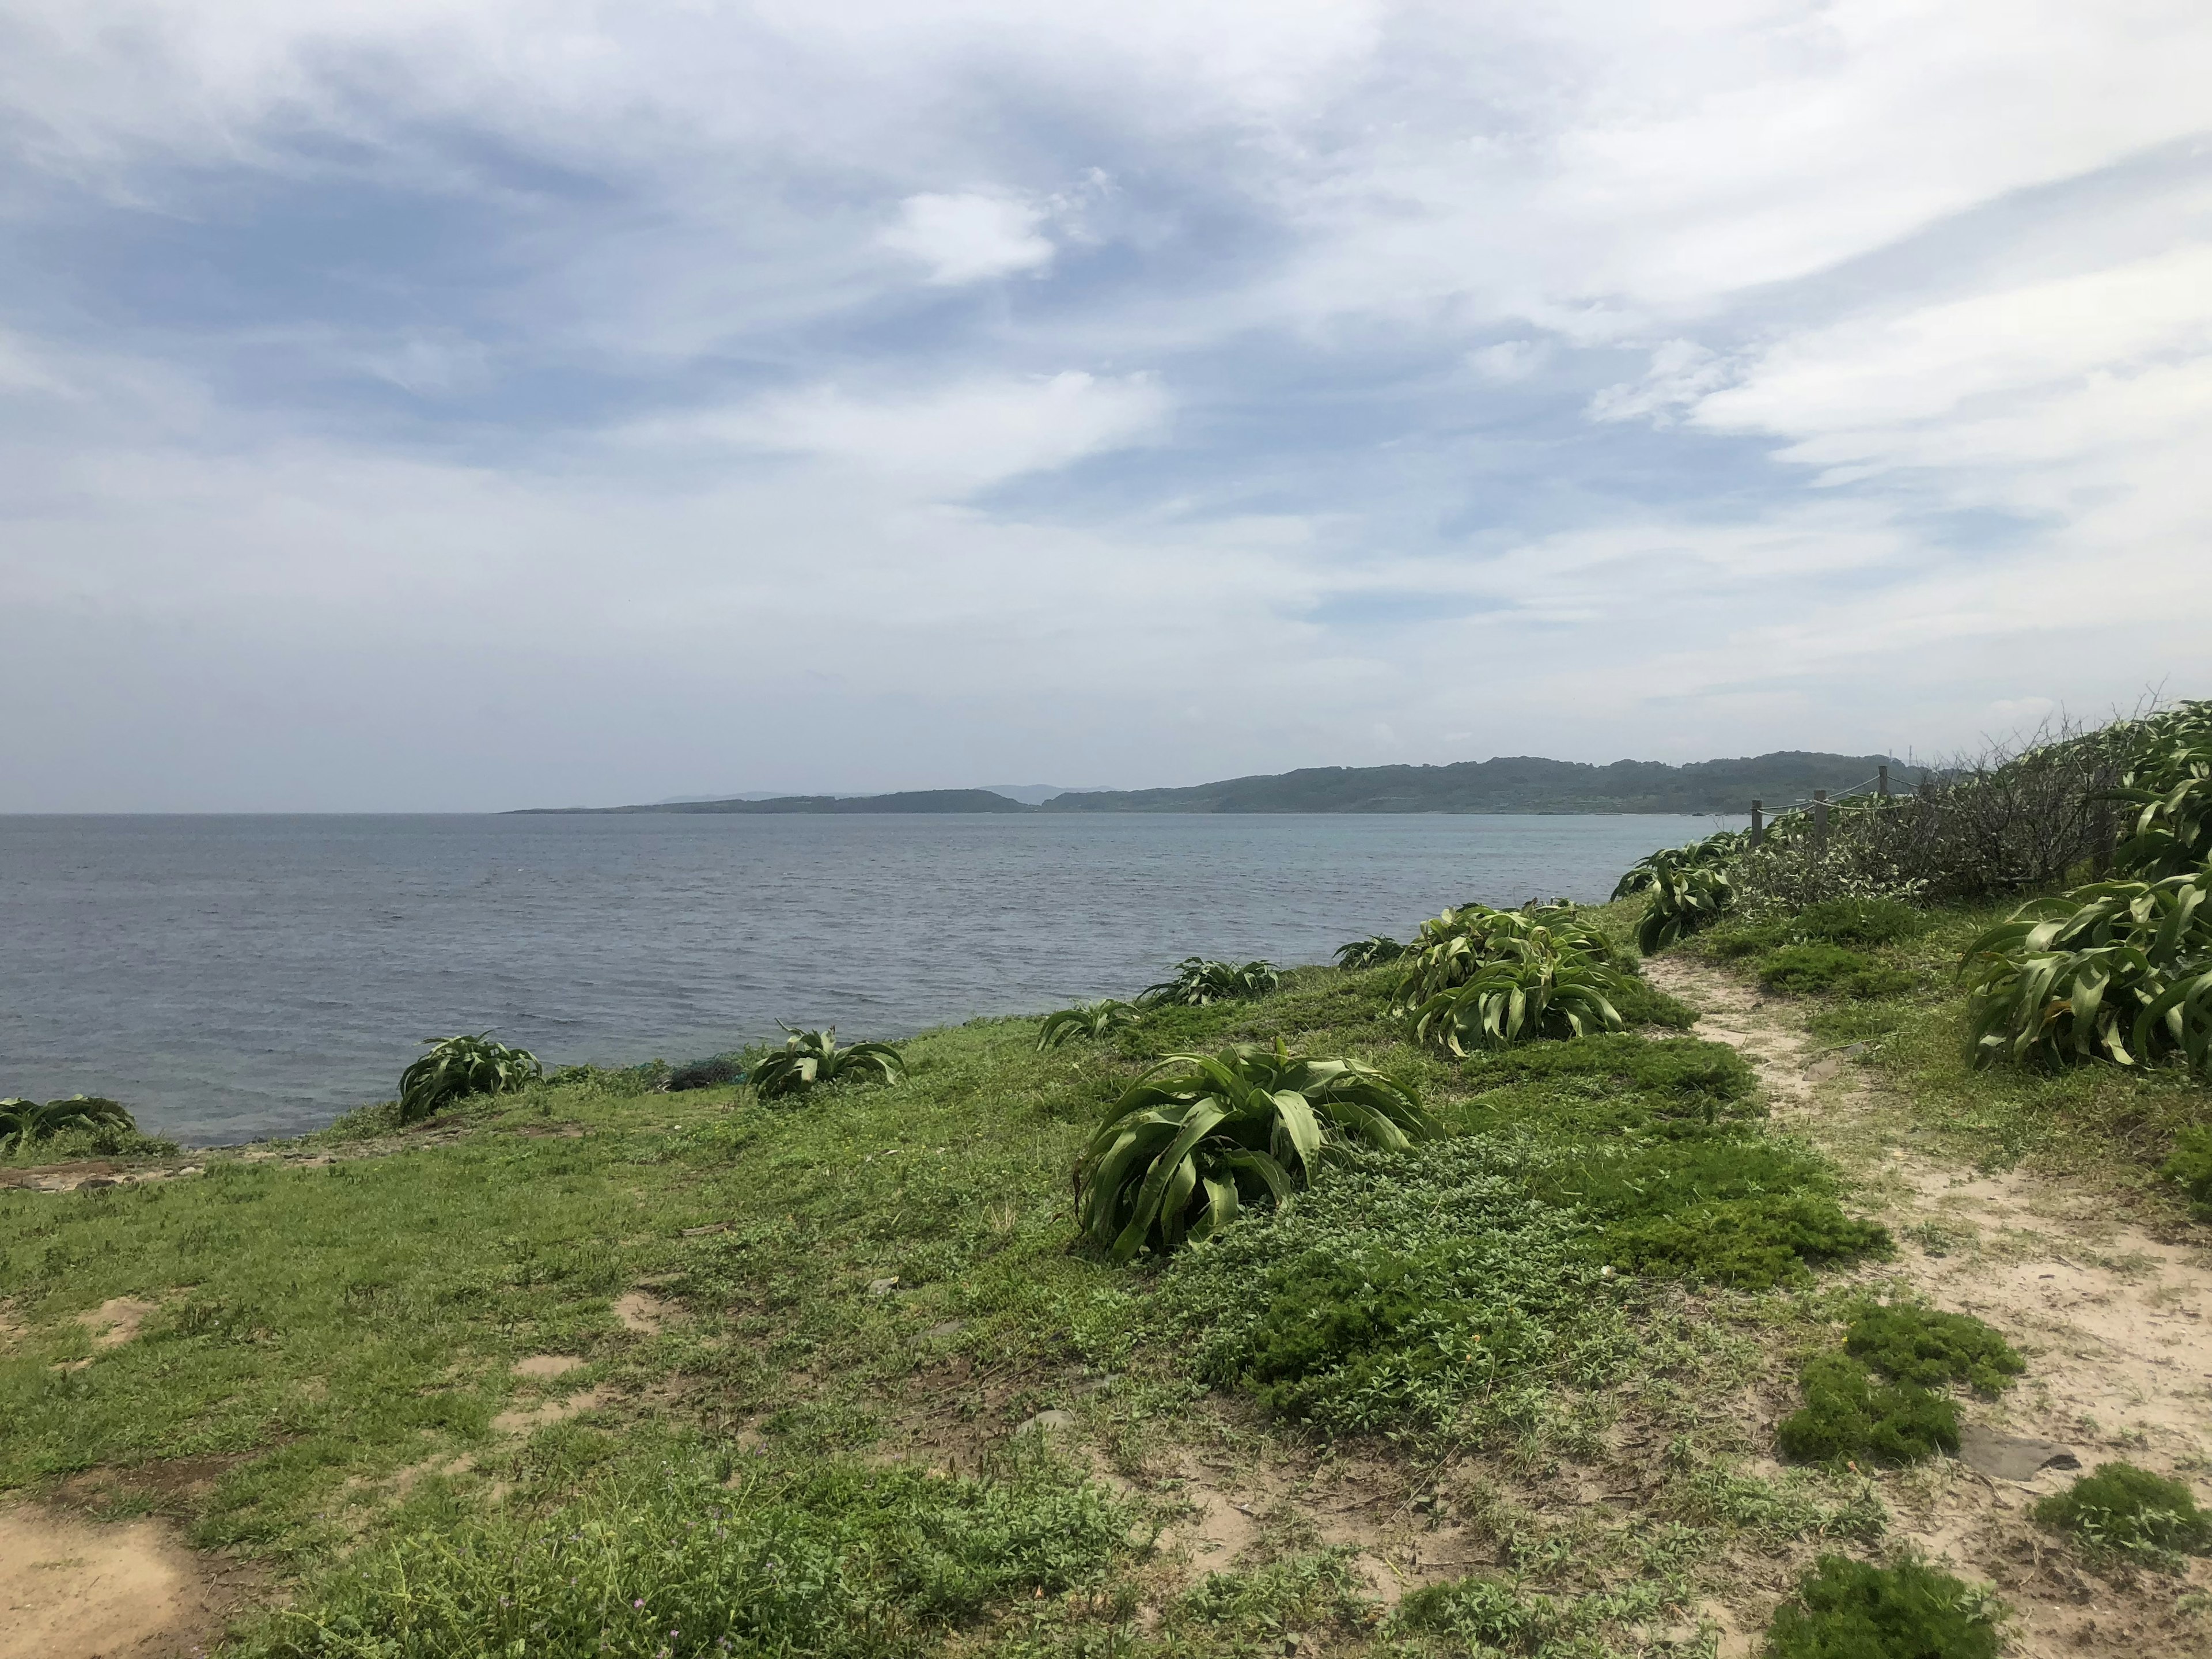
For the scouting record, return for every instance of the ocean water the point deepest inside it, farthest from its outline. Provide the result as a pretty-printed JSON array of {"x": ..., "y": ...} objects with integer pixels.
[{"x": 231, "y": 978}]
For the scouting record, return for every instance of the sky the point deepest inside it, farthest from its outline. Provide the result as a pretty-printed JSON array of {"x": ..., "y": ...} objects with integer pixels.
[{"x": 415, "y": 405}]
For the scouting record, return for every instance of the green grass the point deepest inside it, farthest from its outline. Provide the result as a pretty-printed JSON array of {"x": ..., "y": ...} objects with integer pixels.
[{"x": 855, "y": 1271}]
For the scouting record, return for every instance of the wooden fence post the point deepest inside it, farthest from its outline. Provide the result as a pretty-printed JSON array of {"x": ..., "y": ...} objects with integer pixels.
[
  {"x": 1883, "y": 786},
  {"x": 1819, "y": 821},
  {"x": 1757, "y": 824}
]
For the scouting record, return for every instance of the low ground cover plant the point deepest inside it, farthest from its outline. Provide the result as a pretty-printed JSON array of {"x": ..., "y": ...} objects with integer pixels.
[
  {"x": 1198, "y": 980},
  {"x": 712, "y": 1073},
  {"x": 689, "y": 1554},
  {"x": 458, "y": 1066},
  {"x": 2121, "y": 1510},
  {"x": 2190, "y": 1165},
  {"x": 1198, "y": 1137},
  {"x": 811, "y": 1058},
  {"x": 1484, "y": 1615},
  {"x": 1847, "y": 1609},
  {"x": 1092, "y": 1020},
  {"x": 1814, "y": 969},
  {"x": 1851, "y": 1413}
]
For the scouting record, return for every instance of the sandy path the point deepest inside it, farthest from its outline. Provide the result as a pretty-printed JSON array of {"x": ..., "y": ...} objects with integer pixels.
[{"x": 2116, "y": 1324}]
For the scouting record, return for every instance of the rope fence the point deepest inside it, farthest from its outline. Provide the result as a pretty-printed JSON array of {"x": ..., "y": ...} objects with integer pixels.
[{"x": 1877, "y": 785}]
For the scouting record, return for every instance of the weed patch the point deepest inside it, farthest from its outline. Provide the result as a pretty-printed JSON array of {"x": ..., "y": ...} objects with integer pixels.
[
  {"x": 2191, "y": 1164},
  {"x": 1846, "y": 1609},
  {"x": 1481, "y": 1615}
]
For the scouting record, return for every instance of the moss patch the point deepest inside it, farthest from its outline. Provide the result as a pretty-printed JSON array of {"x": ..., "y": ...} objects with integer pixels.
[
  {"x": 1847, "y": 1415},
  {"x": 1845, "y": 1609},
  {"x": 1911, "y": 1343},
  {"x": 2123, "y": 1510}
]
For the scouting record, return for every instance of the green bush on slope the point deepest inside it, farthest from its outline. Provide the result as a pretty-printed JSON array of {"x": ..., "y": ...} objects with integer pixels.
[{"x": 1846, "y": 1609}]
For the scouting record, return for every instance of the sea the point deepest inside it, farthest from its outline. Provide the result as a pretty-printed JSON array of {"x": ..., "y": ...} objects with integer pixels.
[{"x": 233, "y": 979}]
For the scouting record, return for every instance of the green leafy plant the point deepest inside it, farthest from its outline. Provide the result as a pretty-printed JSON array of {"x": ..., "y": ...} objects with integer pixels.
[
  {"x": 1199, "y": 981},
  {"x": 2121, "y": 1510},
  {"x": 1913, "y": 1344},
  {"x": 2117, "y": 970},
  {"x": 1846, "y": 1609},
  {"x": 1535, "y": 994},
  {"x": 1086, "y": 1019},
  {"x": 1812, "y": 970},
  {"x": 1177, "y": 1156},
  {"x": 1370, "y": 952},
  {"x": 458, "y": 1066},
  {"x": 1714, "y": 853},
  {"x": 2168, "y": 781},
  {"x": 1453, "y": 947},
  {"x": 808, "y": 1058},
  {"x": 24, "y": 1122},
  {"x": 1686, "y": 897},
  {"x": 711, "y": 1072},
  {"x": 1847, "y": 1415}
]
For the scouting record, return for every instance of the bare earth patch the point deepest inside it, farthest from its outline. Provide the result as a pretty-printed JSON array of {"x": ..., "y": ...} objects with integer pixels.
[
  {"x": 547, "y": 1365},
  {"x": 74, "y": 1590},
  {"x": 117, "y": 1320},
  {"x": 2113, "y": 1322}
]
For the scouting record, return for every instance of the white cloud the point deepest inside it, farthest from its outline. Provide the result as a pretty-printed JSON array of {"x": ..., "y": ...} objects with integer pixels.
[
  {"x": 953, "y": 439},
  {"x": 1510, "y": 360},
  {"x": 964, "y": 238}
]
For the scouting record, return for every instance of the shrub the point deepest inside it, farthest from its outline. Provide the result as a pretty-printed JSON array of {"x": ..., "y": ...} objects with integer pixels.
[
  {"x": 2169, "y": 782},
  {"x": 1198, "y": 981},
  {"x": 1086, "y": 1019},
  {"x": 1178, "y": 1155},
  {"x": 808, "y": 1058},
  {"x": 1802, "y": 969},
  {"x": 1846, "y": 1609},
  {"x": 1534, "y": 995},
  {"x": 1911, "y": 1343},
  {"x": 711, "y": 1072},
  {"x": 2117, "y": 970},
  {"x": 2123, "y": 1510},
  {"x": 458, "y": 1066},
  {"x": 24, "y": 1122},
  {"x": 1715, "y": 851},
  {"x": 1847, "y": 1415},
  {"x": 2191, "y": 1164},
  {"x": 1370, "y": 952}
]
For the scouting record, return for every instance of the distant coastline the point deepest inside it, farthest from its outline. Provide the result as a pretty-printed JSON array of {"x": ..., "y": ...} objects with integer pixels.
[{"x": 1514, "y": 784}]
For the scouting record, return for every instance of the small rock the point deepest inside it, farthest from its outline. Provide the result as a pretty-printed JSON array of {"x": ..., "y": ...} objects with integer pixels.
[
  {"x": 1044, "y": 1420},
  {"x": 883, "y": 1286},
  {"x": 2011, "y": 1456},
  {"x": 948, "y": 1327}
]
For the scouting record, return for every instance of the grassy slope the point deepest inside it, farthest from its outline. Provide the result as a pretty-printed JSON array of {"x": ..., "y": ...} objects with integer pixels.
[{"x": 333, "y": 1342}]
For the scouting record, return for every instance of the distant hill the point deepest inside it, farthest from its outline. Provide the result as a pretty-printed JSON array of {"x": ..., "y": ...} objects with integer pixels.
[{"x": 1519, "y": 783}]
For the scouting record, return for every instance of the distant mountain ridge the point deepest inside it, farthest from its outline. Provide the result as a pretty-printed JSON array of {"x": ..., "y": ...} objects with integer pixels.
[{"x": 1517, "y": 783}]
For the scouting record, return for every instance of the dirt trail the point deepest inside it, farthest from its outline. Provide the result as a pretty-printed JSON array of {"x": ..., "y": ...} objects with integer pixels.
[
  {"x": 76, "y": 1589},
  {"x": 2115, "y": 1321}
]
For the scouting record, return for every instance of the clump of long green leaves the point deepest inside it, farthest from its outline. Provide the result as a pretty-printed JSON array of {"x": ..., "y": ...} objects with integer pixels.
[
  {"x": 1370, "y": 952},
  {"x": 2118, "y": 970},
  {"x": 1713, "y": 852},
  {"x": 1451, "y": 948},
  {"x": 1535, "y": 990},
  {"x": 1093, "y": 1020},
  {"x": 810, "y": 1057},
  {"x": 2168, "y": 781},
  {"x": 22, "y": 1121},
  {"x": 1199, "y": 981},
  {"x": 1685, "y": 895},
  {"x": 1179, "y": 1156},
  {"x": 458, "y": 1066}
]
